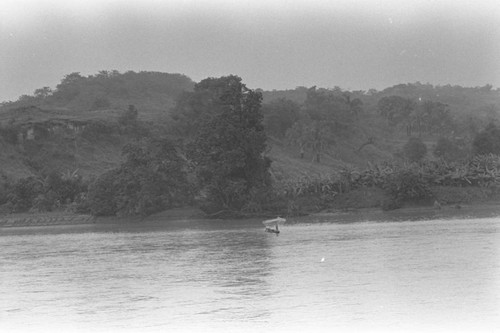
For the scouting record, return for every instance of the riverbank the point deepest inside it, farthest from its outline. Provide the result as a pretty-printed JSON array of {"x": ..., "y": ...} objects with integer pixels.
[
  {"x": 420, "y": 213},
  {"x": 65, "y": 218},
  {"x": 361, "y": 204},
  {"x": 44, "y": 219},
  {"x": 191, "y": 214}
]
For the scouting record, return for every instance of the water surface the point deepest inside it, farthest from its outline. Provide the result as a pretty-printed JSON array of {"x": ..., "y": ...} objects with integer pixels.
[{"x": 231, "y": 276}]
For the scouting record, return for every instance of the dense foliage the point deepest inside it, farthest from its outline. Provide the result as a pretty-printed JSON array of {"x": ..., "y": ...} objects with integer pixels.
[
  {"x": 416, "y": 116},
  {"x": 225, "y": 141},
  {"x": 488, "y": 140},
  {"x": 216, "y": 156},
  {"x": 326, "y": 115},
  {"x": 414, "y": 150},
  {"x": 109, "y": 89},
  {"x": 45, "y": 193},
  {"x": 402, "y": 183},
  {"x": 152, "y": 178},
  {"x": 279, "y": 116}
]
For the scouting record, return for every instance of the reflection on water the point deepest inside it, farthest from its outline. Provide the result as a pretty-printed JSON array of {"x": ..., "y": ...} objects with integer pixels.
[{"x": 232, "y": 276}]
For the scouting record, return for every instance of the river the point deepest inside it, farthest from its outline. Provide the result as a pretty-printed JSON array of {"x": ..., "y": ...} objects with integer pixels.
[{"x": 231, "y": 276}]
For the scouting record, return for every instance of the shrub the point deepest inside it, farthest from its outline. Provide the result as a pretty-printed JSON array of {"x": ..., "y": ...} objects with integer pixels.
[
  {"x": 101, "y": 196},
  {"x": 24, "y": 192},
  {"x": 407, "y": 184},
  {"x": 66, "y": 187},
  {"x": 414, "y": 150},
  {"x": 45, "y": 202},
  {"x": 150, "y": 180},
  {"x": 487, "y": 141}
]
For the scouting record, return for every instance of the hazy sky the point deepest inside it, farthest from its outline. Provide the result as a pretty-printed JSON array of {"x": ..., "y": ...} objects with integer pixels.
[{"x": 270, "y": 44}]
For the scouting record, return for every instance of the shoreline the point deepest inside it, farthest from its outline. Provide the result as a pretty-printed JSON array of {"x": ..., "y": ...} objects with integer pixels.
[
  {"x": 417, "y": 213},
  {"x": 44, "y": 219},
  {"x": 350, "y": 215}
]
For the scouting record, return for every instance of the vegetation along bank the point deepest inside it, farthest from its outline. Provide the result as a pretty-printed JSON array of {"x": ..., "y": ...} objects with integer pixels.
[{"x": 135, "y": 144}]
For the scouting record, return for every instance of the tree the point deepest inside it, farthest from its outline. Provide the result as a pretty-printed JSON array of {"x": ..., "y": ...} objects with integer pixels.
[
  {"x": 226, "y": 142},
  {"x": 69, "y": 87},
  {"x": 487, "y": 141},
  {"x": 355, "y": 105},
  {"x": 316, "y": 135},
  {"x": 43, "y": 92},
  {"x": 397, "y": 110},
  {"x": 329, "y": 106},
  {"x": 191, "y": 111},
  {"x": 279, "y": 116},
  {"x": 151, "y": 179},
  {"x": 431, "y": 117},
  {"x": 325, "y": 116},
  {"x": 414, "y": 150},
  {"x": 102, "y": 194},
  {"x": 24, "y": 192}
]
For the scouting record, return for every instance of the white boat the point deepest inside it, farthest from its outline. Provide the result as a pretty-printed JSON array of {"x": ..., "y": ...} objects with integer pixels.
[{"x": 272, "y": 224}]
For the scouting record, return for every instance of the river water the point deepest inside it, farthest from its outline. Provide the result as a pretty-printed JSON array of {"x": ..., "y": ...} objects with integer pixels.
[{"x": 231, "y": 276}]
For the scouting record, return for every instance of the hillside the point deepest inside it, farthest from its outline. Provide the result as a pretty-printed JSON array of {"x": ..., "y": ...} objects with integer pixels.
[
  {"x": 77, "y": 126},
  {"x": 346, "y": 153},
  {"x": 153, "y": 93},
  {"x": 469, "y": 110},
  {"x": 34, "y": 141}
]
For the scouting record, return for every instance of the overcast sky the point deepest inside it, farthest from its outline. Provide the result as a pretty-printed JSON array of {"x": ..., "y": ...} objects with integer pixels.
[{"x": 270, "y": 44}]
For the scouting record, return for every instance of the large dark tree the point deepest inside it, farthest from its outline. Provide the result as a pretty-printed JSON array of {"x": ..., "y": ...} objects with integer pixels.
[{"x": 223, "y": 121}]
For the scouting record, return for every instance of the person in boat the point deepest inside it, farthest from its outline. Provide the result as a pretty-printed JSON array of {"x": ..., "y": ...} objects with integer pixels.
[
  {"x": 275, "y": 222},
  {"x": 276, "y": 231}
]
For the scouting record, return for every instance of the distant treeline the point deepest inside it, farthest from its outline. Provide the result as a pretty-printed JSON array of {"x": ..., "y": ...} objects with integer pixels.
[
  {"x": 482, "y": 100},
  {"x": 109, "y": 89}
]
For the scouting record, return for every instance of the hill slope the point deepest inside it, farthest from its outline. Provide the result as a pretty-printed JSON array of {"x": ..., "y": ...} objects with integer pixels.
[
  {"x": 152, "y": 93},
  {"x": 34, "y": 140},
  {"x": 77, "y": 125}
]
